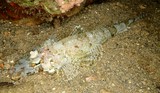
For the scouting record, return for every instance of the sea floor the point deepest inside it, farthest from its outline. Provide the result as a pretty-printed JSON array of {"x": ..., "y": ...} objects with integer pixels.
[{"x": 130, "y": 62}]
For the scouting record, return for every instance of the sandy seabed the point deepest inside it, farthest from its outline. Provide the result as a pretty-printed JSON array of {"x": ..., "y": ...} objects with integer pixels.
[{"x": 130, "y": 63}]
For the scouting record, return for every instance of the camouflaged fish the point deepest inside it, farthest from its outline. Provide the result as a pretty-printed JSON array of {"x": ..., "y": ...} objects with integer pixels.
[{"x": 68, "y": 53}]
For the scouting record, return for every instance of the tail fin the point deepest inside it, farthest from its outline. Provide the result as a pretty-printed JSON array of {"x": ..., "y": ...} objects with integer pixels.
[{"x": 123, "y": 26}]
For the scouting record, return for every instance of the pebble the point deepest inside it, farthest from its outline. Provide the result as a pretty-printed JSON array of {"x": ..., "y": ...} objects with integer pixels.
[
  {"x": 142, "y": 6},
  {"x": 1, "y": 64},
  {"x": 103, "y": 91},
  {"x": 53, "y": 88},
  {"x": 7, "y": 66},
  {"x": 91, "y": 78}
]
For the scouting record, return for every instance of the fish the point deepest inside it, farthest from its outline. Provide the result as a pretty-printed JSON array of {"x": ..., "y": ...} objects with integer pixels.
[{"x": 68, "y": 53}]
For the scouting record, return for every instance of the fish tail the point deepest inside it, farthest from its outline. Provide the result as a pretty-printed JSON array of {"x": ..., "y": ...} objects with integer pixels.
[{"x": 123, "y": 26}]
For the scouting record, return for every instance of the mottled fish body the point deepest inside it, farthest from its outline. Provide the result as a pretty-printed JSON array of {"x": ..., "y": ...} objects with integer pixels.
[{"x": 67, "y": 53}]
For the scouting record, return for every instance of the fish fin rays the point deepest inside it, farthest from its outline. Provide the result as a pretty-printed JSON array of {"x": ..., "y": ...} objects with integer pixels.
[
  {"x": 94, "y": 54},
  {"x": 70, "y": 70}
]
